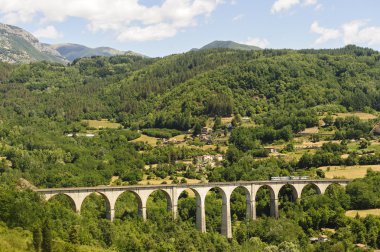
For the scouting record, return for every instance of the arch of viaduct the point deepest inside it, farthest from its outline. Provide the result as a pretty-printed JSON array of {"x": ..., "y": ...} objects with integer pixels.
[{"x": 173, "y": 191}]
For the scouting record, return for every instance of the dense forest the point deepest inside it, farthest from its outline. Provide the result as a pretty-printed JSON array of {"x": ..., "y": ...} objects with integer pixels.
[{"x": 251, "y": 107}]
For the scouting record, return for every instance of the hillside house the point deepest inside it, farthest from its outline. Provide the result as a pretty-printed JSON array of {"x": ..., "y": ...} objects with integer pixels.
[
  {"x": 246, "y": 119},
  {"x": 271, "y": 150},
  {"x": 321, "y": 238},
  {"x": 205, "y": 138},
  {"x": 212, "y": 160},
  {"x": 376, "y": 129},
  {"x": 206, "y": 130}
]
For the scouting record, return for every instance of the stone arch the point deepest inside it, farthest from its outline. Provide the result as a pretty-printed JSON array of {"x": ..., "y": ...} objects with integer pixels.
[
  {"x": 311, "y": 185},
  {"x": 328, "y": 186},
  {"x": 200, "y": 214},
  {"x": 273, "y": 194},
  {"x": 169, "y": 199},
  {"x": 273, "y": 203},
  {"x": 67, "y": 196},
  {"x": 294, "y": 194},
  {"x": 222, "y": 192},
  {"x": 200, "y": 193},
  {"x": 109, "y": 207},
  {"x": 198, "y": 197},
  {"x": 248, "y": 200},
  {"x": 137, "y": 199},
  {"x": 225, "y": 192},
  {"x": 182, "y": 190}
]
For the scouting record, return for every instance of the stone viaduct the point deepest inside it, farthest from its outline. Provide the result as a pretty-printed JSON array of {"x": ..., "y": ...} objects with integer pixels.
[{"x": 173, "y": 191}]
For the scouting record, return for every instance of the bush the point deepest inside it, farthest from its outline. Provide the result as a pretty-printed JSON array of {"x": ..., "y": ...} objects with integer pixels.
[{"x": 161, "y": 133}]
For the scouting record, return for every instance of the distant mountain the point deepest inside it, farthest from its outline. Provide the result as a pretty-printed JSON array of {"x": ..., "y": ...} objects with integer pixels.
[
  {"x": 229, "y": 45},
  {"x": 20, "y": 46},
  {"x": 74, "y": 51}
]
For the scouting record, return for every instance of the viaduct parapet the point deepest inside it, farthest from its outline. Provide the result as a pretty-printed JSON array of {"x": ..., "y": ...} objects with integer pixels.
[{"x": 173, "y": 191}]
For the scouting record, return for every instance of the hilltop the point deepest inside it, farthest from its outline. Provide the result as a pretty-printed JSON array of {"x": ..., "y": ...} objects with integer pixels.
[
  {"x": 75, "y": 51},
  {"x": 228, "y": 45}
]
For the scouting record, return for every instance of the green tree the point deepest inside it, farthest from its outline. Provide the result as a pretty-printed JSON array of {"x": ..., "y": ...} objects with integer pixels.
[
  {"x": 74, "y": 234},
  {"x": 37, "y": 239},
  {"x": 46, "y": 245},
  {"x": 363, "y": 144},
  {"x": 328, "y": 120},
  {"x": 197, "y": 129},
  {"x": 217, "y": 123}
]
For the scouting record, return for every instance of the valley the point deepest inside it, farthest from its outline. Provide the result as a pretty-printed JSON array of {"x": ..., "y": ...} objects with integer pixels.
[{"x": 205, "y": 116}]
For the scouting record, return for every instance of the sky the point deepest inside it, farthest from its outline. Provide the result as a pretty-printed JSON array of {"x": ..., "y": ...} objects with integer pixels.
[{"x": 164, "y": 27}]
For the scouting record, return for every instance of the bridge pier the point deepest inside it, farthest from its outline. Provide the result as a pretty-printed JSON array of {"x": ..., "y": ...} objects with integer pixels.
[
  {"x": 251, "y": 209},
  {"x": 142, "y": 211},
  {"x": 110, "y": 215},
  {"x": 226, "y": 217},
  {"x": 274, "y": 208},
  {"x": 200, "y": 218},
  {"x": 174, "y": 212},
  {"x": 201, "y": 215}
]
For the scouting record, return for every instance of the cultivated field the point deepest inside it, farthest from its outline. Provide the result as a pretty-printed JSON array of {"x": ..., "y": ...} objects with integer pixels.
[
  {"x": 363, "y": 213},
  {"x": 144, "y": 138},
  {"x": 159, "y": 181},
  {"x": 361, "y": 115},
  {"x": 226, "y": 120},
  {"x": 100, "y": 124},
  {"x": 307, "y": 144},
  {"x": 313, "y": 130},
  {"x": 348, "y": 172},
  {"x": 180, "y": 137}
]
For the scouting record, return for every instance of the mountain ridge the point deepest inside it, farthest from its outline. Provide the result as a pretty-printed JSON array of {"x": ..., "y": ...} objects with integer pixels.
[
  {"x": 72, "y": 51},
  {"x": 20, "y": 46}
]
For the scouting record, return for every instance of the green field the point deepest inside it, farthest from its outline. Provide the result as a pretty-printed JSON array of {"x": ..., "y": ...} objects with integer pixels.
[
  {"x": 361, "y": 115},
  {"x": 102, "y": 124},
  {"x": 146, "y": 139},
  {"x": 363, "y": 213},
  {"x": 348, "y": 172}
]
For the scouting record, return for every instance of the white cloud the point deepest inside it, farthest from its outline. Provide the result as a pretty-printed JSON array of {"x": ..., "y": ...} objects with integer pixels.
[
  {"x": 260, "y": 42},
  {"x": 284, "y": 5},
  {"x": 325, "y": 33},
  {"x": 357, "y": 32},
  {"x": 238, "y": 17},
  {"x": 353, "y": 32},
  {"x": 49, "y": 32},
  {"x": 311, "y": 2},
  {"x": 129, "y": 19}
]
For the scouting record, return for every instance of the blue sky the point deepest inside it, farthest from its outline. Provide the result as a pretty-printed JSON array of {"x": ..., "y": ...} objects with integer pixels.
[{"x": 162, "y": 27}]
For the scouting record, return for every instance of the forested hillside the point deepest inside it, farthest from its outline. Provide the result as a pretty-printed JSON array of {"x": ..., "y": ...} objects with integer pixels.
[{"x": 124, "y": 120}]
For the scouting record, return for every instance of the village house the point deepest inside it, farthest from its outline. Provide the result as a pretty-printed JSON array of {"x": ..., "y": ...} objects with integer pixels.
[
  {"x": 172, "y": 141},
  {"x": 211, "y": 160},
  {"x": 246, "y": 119},
  {"x": 271, "y": 150},
  {"x": 321, "y": 238},
  {"x": 205, "y": 138},
  {"x": 206, "y": 130}
]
